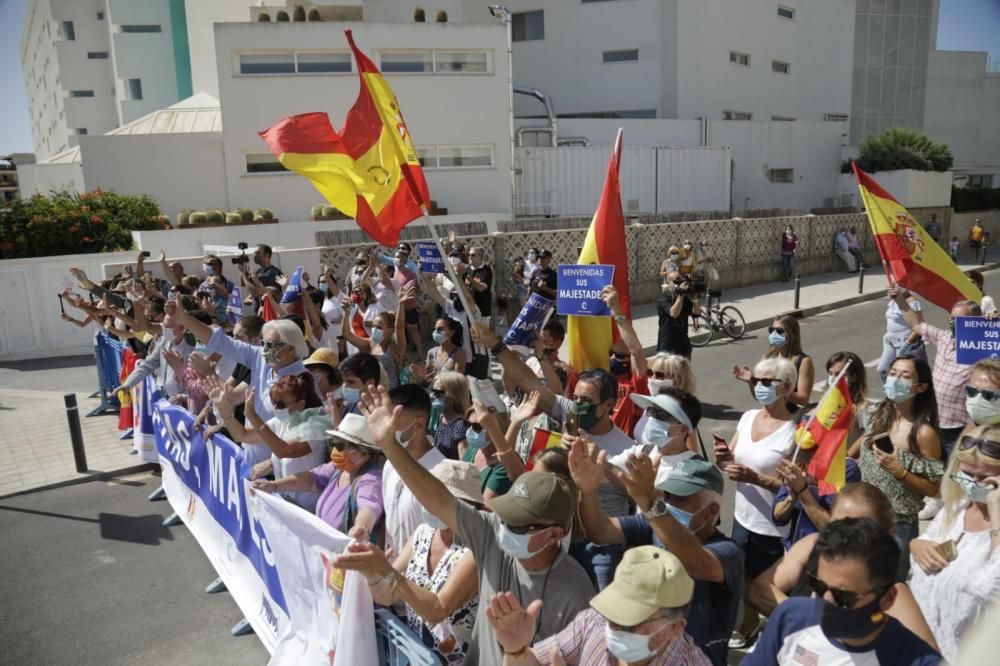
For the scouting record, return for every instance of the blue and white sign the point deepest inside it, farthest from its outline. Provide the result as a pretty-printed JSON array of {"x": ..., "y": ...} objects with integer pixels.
[
  {"x": 528, "y": 325},
  {"x": 976, "y": 338},
  {"x": 235, "y": 305},
  {"x": 293, "y": 292},
  {"x": 430, "y": 257},
  {"x": 580, "y": 288},
  {"x": 145, "y": 395}
]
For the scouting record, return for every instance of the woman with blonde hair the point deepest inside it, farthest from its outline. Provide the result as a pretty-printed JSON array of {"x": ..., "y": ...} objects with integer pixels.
[
  {"x": 958, "y": 564},
  {"x": 784, "y": 338},
  {"x": 450, "y": 400},
  {"x": 669, "y": 371},
  {"x": 982, "y": 393}
]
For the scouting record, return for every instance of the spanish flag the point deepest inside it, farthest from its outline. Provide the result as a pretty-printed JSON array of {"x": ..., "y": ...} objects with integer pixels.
[
  {"x": 543, "y": 439},
  {"x": 827, "y": 431},
  {"x": 369, "y": 170},
  {"x": 590, "y": 338},
  {"x": 909, "y": 255}
]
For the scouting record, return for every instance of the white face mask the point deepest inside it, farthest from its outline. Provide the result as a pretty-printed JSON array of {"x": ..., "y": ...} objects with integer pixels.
[
  {"x": 657, "y": 385},
  {"x": 656, "y": 432},
  {"x": 516, "y": 545},
  {"x": 983, "y": 411},
  {"x": 627, "y": 646},
  {"x": 399, "y": 435},
  {"x": 282, "y": 415}
]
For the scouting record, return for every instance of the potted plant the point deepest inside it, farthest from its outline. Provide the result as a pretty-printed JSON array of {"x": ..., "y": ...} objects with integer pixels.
[
  {"x": 197, "y": 218},
  {"x": 182, "y": 217},
  {"x": 215, "y": 216},
  {"x": 263, "y": 17},
  {"x": 299, "y": 14},
  {"x": 246, "y": 215},
  {"x": 314, "y": 15},
  {"x": 316, "y": 211},
  {"x": 282, "y": 16},
  {"x": 233, "y": 218}
]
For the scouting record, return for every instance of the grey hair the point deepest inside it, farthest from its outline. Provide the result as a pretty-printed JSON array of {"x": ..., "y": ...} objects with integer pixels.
[
  {"x": 782, "y": 369},
  {"x": 678, "y": 613},
  {"x": 974, "y": 308},
  {"x": 289, "y": 332}
]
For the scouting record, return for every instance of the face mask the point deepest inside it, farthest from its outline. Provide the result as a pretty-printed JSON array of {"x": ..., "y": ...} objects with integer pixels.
[
  {"x": 282, "y": 415},
  {"x": 776, "y": 339},
  {"x": 356, "y": 298},
  {"x": 431, "y": 520},
  {"x": 974, "y": 490},
  {"x": 377, "y": 335},
  {"x": 587, "y": 414},
  {"x": 271, "y": 356},
  {"x": 475, "y": 440},
  {"x": 627, "y": 646},
  {"x": 399, "y": 436},
  {"x": 439, "y": 337},
  {"x": 840, "y": 623},
  {"x": 765, "y": 395},
  {"x": 656, "y": 385},
  {"x": 454, "y": 261},
  {"x": 675, "y": 257},
  {"x": 788, "y": 232},
  {"x": 897, "y": 390},
  {"x": 982, "y": 411},
  {"x": 532, "y": 256},
  {"x": 619, "y": 367},
  {"x": 350, "y": 394},
  {"x": 322, "y": 284},
  {"x": 516, "y": 545},
  {"x": 207, "y": 269},
  {"x": 656, "y": 432}
]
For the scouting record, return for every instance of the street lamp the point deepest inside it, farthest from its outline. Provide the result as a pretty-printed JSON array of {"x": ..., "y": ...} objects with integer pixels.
[{"x": 503, "y": 13}]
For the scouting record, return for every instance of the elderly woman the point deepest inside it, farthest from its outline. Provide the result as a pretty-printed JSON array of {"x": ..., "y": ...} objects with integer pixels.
[
  {"x": 665, "y": 371},
  {"x": 451, "y": 400},
  {"x": 349, "y": 485},
  {"x": 434, "y": 576},
  {"x": 957, "y": 570},
  {"x": 982, "y": 393},
  {"x": 751, "y": 460},
  {"x": 784, "y": 338},
  {"x": 281, "y": 354}
]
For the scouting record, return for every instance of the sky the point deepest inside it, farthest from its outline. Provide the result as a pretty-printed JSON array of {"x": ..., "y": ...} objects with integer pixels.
[{"x": 964, "y": 25}]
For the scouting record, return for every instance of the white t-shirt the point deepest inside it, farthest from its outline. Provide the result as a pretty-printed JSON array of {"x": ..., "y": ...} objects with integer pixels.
[
  {"x": 895, "y": 323},
  {"x": 667, "y": 462},
  {"x": 753, "y": 503},
  {"x": 287, "y": 466},
  {"x": 988, "y": 305},
  {"x": 402, "y": 510}
]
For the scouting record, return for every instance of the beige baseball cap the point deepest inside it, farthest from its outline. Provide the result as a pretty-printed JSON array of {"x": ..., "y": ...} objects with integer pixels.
[
  {"x": 461, "y": 478},
  {"x": 647, "y": 580}
]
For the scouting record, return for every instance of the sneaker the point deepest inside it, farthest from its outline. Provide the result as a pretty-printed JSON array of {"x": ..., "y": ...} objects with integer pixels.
[{"x": 931, "y": 507}]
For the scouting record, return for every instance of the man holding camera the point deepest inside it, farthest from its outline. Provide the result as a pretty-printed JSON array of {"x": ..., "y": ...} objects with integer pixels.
[
  {"x": 674, "y": 307},
  {"x": 267, "y": 273}
]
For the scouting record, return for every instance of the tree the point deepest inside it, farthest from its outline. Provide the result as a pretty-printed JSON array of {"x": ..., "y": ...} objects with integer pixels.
[{"x": 903, "y": 148}]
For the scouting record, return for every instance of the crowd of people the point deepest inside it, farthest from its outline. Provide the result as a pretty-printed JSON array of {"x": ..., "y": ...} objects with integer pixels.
[{"x": 606, "y": 548}]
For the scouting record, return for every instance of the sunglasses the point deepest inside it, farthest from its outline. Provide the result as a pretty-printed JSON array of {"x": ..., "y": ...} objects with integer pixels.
[
  {"x": 776, "y": 329},
  {"x": 274, "y": 345},
  {"x": 991, "y": 396},
  {"x": 660, "y": 375},
  {"x": 437, "y": 392},
  {"x": 986, "y": 447},
  {"x": 476, "y": 427},
  {"x": 843, "y": 598},
  {"x": 659, "y": 414},
  {"x": 528, "y": 529},
  {"x": 620, "y": 355},
  {"x": 766, "y": 381}
]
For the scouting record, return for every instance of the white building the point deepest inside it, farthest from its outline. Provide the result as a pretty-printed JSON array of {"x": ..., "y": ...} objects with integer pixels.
[{"x": 93, "y": 65}]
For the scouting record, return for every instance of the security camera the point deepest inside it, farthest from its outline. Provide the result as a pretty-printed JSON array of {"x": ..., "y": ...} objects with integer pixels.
[{"x": 499, "y": 11}]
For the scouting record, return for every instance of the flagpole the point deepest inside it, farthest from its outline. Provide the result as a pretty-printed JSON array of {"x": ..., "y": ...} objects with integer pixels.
[
  {"x": 812, "y": 417},
  {"x": 452, "y": 275}
]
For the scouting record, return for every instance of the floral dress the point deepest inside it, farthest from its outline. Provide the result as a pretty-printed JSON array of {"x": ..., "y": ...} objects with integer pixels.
[
  {"x": 905, "y": 502},
  {"x": 451, "y": 637}
]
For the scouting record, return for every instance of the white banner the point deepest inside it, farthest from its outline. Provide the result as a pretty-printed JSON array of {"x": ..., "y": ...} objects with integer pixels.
[
  {"x": 331, "y": 615},
  {"x": 145, "y": 395}
]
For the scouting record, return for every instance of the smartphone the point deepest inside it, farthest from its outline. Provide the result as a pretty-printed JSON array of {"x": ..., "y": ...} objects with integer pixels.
[
  {"x": 62, "y": 308},
  {"x": 882, "y": 442},
  {"x": 572, "y": 424},
  {"x": 948, "y": 550},
  {"x": 145, "y": 254}
]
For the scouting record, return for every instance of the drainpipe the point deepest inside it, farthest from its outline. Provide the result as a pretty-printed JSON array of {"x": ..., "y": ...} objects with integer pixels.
[
  {"x": 503, "y": 13},
  {"x": 550, "y": 111}
]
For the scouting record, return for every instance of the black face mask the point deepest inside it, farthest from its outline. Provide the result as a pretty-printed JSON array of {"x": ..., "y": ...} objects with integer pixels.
[
  {"x": 840, "y": 623},
  {"x": 257, "y": 260}
]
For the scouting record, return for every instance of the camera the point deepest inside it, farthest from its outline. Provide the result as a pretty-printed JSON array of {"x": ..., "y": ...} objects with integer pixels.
[
  {"x": 145, "y": 254},
  {"x": 243, "y": 258}
]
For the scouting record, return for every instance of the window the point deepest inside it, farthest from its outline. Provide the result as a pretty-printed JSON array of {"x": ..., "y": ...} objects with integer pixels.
[
  {"x": 81, "y": 93},
  {"x": 319, "y": 63},
  {"x": 139, "y": 28},
  {"x": 80, "y": 131},
  {"x": 69, "y": 33},
  {"x": 461, "y": 61},
  {"x": 623, "y": 55},
  {"x": 781, "y": 175},
  {"x": 741, "y": 59},
  {"x": 134, "y": 89},
  {"x": 409, "y": 62},
  {"x": 786, "y": 12},
  {"x": 97, "y": 55},
  {"x": 982, "y": 180},
  {"x": 419, "y": 15},
  {"x": 100, "y": 16},
  {"x": 736, "y": 115},
  {"x": 528, "y": 26},
  {"x": 457, "y": 157},
  {"x": 267, "y": 63},
  {"x": 835, "y": 117},
  {"x": 263, "y": 163},
  {"x": 782, "y": 118},
  {"x": 780, "y": 67}
]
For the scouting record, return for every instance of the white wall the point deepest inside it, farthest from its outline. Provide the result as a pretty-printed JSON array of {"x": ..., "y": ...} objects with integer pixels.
[
  {"x": 912, "y": 189},
  {"x": 442, "y": 109},
  {"x": 41, "y": 178},
  {"x": 637, "y": 131},
  {"x": 201, "y": 17}
]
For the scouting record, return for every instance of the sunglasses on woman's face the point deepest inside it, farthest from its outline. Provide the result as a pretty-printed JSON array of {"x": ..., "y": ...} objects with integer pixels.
[
  {"x": 476, "y": 427},
  {"x": 278, "y": 404},
  {"x": 988, "y": 448},
  {"x": 766, "y": 381},
  {"x": 660, "y": 375},
  {"x": 991, "y": 396},
  {"x": 776, "y": 329},
  {"x": 843, "y": 598}
]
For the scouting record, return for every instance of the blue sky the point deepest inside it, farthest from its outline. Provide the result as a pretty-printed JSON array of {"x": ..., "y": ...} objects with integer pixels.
[{"x": 965, "y": 25}]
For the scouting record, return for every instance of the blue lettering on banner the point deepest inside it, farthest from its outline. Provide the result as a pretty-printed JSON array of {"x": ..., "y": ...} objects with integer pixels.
[
  {"x": 580, "y": 288},
  {"x": 529, "y": 322},
  {"x": 976, "y": 338},
  {"x": 235, "y": 305},
  {"x": 293, "y": 292},
  {"x": 214, "y": 471},
  {"x": 430, "y": 257}
]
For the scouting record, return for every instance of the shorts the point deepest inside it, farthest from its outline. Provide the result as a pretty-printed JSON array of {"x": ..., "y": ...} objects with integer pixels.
[
  {"x": 975, "y": 244},
  {"x": 412, "y": 316},
  {"x": 759, "y": 551}
]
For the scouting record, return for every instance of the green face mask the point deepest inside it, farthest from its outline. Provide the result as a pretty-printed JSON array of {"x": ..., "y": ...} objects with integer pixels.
[{"x": 586, "y": 413}]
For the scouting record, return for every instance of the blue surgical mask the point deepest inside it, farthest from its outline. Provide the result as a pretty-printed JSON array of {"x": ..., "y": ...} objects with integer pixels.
[
  {"x": 627, "y": 646},
  {"x": 898, "y": 389},
  {"x": 437, "y": 403},
  {"x": 681, "y": 516},
  {"x": 475, "y": 440},
  {"x": 282, "y": 415},
  {"x": 431, "y": 520},
  {"x": 656, "y": 432},
  {"x": 776, "y": 339},
  {"x": 350, "y": 394},
  {"x": 516, "y": 545},
  {"x": 207, "y": 269},
  {"x": 765, "y": 395},
  {"x": 439, "y": 337},
  {"x": 976, "y": 492},
  {"x": 377, "y": 335}
]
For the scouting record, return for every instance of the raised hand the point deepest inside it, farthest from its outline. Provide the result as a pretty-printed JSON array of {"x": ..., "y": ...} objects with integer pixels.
[
  {"x": 743, "y": 374},
  {"x": 530, "y": 407},
  {"x": 174, "y": 360},
  {"x": 383, "y": 417},
  {"x": 513, "y": 626},
  {"x": 201, "y": 364},
  {"x": 610, "y": 296},
  {"x": 792, "y": 476},
  {"x": 408, "y": 292},
  {"x": 249, "y": 408},
  {"x": 639, "y": 479},
  {"x": 586, "y": 462},
  {"x": 483, "y": 336}
]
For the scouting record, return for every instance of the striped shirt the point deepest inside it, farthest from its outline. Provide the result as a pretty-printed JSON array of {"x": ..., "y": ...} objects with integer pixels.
[{"x": 582, "y": 644}]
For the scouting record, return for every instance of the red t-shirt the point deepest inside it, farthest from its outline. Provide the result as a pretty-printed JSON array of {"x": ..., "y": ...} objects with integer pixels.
[{"x": 626, "y": 413}]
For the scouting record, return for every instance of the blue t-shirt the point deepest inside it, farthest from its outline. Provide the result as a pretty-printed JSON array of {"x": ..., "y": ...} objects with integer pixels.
[
  {"x": 800, "y": 523},
  {"x": 713, "y": 605},
  {"x": 792, "y": 635}
]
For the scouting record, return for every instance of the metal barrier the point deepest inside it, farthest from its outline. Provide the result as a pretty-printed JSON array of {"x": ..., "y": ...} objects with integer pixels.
[
  {"x": 397, "y": 644},
  {"x": 108, "y": 354}
]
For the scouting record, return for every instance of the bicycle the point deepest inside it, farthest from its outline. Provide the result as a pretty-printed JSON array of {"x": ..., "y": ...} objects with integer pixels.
[{"x": 715, "y": 317}]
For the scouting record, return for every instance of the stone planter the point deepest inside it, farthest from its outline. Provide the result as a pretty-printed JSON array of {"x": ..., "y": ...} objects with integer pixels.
[
  {"x": 913, "y": 189},
  {"x": 224, "y": 224}
]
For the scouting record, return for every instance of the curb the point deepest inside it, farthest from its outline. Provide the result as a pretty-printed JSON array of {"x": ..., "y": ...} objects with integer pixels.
[{"x": 86, "y": 477}]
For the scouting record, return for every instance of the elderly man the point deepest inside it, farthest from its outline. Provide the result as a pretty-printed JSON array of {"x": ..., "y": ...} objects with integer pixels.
[
  {"x": 679, "y": 513},
  {"x": 639, "y": 618}
]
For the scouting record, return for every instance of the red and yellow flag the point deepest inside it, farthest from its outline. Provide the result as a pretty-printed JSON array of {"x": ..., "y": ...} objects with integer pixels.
[
  {"x": 369, "y": 170},
  {"x": 915, "y": 261},
  {"x": 543, "y": 439},
  {"x": 589, "y": 338},
  {"x": 827, "y": 431}
]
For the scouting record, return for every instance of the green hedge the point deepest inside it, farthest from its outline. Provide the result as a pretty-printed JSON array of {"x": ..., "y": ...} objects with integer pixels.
[
  {"x": 70, "y": 223},
  {"x": 974, "y": 198}
]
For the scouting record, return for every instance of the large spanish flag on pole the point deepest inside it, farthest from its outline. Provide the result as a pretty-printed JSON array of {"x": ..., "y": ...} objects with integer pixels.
[
  {"x": 909, "y": 255},
  {"x": 827, "y": 431},
  {"x": 590, "y": 338},
  {"x": 369, "y": 170}
]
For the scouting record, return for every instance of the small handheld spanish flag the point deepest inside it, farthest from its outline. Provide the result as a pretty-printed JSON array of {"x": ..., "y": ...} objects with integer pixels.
[
  {"x": 543, "y": 439},
  {"x": 827, "y": 431}
]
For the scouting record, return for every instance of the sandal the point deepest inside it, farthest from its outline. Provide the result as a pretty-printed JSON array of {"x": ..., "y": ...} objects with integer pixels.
[{"x": 740, "y": 642}]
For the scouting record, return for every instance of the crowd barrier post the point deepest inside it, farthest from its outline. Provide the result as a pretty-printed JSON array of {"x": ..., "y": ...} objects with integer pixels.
[
  {"x": 216, "y": 586},
  {"x": 108, "y": 354},
  {"x": 861, "y": 280},
  {"x": 798, "y": 288},
  {"x": 75, "y": 433},
  {"x": 397, "y": 645}
]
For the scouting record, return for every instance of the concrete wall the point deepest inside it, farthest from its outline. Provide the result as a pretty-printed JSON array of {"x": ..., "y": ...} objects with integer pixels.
[
  {"x": 912, "y": 189},
  {"x": 42, "y": 178},
  {"x": 201, "y": 19}
]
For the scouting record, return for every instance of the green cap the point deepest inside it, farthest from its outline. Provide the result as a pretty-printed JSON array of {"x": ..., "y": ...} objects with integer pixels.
[
  {"x": 690, "y": 476},
  {"x": 535, "y": 496},
  {"x": 647, "y": 580}
]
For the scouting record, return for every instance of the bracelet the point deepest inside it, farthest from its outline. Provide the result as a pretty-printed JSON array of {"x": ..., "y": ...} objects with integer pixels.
[
  {"x": 498, "y": 347},
  {"x": 906, "y": 473},
  {"x": 518, "y": 653}
]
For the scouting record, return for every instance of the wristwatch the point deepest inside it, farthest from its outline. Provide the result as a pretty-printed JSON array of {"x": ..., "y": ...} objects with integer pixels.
[
  {"x": 620, "y": 319},
  {"x": 658, "y": 509}
]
